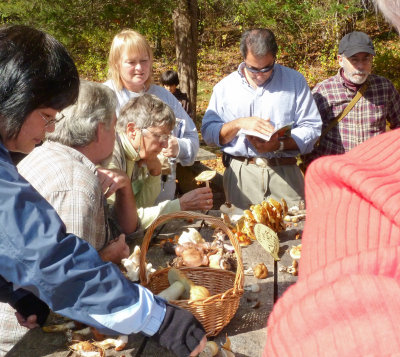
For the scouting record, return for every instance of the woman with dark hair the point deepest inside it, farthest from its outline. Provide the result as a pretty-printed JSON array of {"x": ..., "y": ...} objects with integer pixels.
[{"x": 37, "y": 80}]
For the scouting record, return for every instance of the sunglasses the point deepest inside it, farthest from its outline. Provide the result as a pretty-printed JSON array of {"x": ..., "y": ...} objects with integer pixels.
[{"x": 261, "y": 70}]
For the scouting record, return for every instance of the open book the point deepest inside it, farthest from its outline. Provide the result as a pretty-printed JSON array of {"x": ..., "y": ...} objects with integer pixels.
[{"x": 282, "y": 131}]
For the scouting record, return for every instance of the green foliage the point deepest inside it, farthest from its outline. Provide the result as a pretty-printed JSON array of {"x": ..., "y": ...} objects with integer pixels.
[
  {"x": 387, "y": 61},
  {"x": 308, "y": 31},
  {"x": 301, "y": 25},
  {"x": 86, "y": 27}
]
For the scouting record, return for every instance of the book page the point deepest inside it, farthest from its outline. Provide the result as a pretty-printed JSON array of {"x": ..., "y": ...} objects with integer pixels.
[{"x": 282, "y": 131}]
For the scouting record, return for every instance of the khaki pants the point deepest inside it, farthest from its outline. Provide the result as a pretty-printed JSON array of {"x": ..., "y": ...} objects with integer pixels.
[{"x": 247, "y": 184}]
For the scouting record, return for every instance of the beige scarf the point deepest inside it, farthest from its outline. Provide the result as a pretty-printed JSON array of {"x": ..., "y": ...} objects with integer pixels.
[{"x": 131, "y": 154}]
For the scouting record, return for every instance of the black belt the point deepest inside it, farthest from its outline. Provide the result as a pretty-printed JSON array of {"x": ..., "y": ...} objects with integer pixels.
[{"x": 276, "y": 161}]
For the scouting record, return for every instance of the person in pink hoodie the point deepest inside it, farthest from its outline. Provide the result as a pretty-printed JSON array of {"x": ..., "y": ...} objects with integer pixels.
[{"x": 346, "y": 300}]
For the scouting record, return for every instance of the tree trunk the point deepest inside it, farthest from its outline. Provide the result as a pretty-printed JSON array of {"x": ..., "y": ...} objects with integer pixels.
[{"x": 185, "y": 29}]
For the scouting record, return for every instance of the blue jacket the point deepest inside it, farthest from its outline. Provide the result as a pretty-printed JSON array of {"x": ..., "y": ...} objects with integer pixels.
[{"x": 64, "y": 271}]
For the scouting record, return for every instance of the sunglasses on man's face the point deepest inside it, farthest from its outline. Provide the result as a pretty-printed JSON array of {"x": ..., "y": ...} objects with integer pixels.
[{"x": 259, "y": 70}]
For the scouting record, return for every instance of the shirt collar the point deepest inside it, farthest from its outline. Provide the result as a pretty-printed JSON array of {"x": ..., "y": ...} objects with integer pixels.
[
  {"x": 76, "y": 154},
  {"x": 348, "y": 84}
]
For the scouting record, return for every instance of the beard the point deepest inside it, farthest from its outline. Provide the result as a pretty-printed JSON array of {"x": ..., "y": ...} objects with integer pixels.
[{"x": 356, "y": 77}]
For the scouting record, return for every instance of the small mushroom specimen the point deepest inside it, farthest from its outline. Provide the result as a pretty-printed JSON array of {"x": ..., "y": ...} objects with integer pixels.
[
  {"x": 87, "y": 349},
  {"x": 192, "y": 235},
  {"x": 210, "y": 350},
  {"x": 60, "y": 327},
  {"x": 118, "y": 343},
  {"x": 206, "y": 176},
  {"x": 131, "y": 265},
  {"x": 230, "y": 213},
  {"x": 222, "y": 260},
  {"x": 260, "y": 271},
  {"x": 295, "y": 253},
  {"x": 192, "y": 254}
]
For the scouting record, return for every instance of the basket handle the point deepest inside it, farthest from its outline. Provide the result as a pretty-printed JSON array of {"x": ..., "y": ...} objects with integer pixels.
[{"x": 198, "y": 216}]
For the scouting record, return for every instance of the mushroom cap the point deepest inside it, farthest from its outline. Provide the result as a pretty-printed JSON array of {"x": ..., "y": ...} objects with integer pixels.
[
  {"x": 206, "y": 176},
  {"x": 295, "y": 252},
  {"x": 192, "y": 257}
]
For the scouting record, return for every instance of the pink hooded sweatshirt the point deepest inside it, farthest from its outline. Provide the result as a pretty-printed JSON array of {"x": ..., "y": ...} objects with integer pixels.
[{"x": 346, "y": 301}]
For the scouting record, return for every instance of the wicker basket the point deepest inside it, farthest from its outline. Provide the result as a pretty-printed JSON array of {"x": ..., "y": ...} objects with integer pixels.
[{"x": 225, "y": 287}]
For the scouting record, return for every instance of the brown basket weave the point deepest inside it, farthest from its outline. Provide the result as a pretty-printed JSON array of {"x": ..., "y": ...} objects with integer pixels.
[{"x": 225, "y": 287}]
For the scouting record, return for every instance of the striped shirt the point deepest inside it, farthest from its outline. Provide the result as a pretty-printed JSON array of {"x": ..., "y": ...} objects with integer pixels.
[{"x": 380, "y": 103}]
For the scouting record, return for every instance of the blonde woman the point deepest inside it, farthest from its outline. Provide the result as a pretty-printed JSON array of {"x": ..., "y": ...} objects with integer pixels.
[{"x": 130, "y": 74}]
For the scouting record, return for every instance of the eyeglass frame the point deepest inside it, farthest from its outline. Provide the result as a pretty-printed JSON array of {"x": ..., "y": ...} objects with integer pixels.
[
  {"x": 261, "y": 70},
  {"x": 160, "y": 138},
  {"x": 354, "y": 61},
  {"x": 51, "y": 121}
]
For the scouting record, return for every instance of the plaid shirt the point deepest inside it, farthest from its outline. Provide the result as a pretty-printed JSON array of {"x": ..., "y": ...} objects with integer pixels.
[
  {"x": 67, "y": 180},
  {"x": 380, "y": 103}
]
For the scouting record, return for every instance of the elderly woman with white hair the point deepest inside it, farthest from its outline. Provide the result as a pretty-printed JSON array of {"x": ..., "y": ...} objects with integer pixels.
[{"x": 143, "y": 129}]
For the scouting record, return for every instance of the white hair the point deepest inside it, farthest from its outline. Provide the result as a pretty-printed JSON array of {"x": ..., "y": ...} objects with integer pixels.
[
  {"x": 96, "y": 104},
  {"x": 391, "y": 10}
]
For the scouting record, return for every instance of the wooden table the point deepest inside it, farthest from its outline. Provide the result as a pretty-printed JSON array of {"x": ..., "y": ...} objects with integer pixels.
[{"x": 247, "y": 329}]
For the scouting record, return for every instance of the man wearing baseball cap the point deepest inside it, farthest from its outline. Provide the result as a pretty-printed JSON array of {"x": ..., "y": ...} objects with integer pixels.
[{"x": 377, "y": 101}]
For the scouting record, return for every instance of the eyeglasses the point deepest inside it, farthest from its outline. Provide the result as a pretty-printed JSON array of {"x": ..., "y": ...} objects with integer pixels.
[
  {"x": 50, "y": 122},
  {"x": 160, "y": 138},
  {"x": 364, "y": 60},
  {"x": 261, "y": 70}
]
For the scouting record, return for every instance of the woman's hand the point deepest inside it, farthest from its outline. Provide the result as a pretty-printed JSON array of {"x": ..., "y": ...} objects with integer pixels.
[
  {"x": 173, "y": 147},
  {"x": 198, "y": 199},
  {"x": 153, "y": 165}
]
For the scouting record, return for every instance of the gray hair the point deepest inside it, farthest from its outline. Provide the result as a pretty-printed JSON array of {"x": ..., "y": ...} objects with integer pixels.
[
  {"x": 391, "y": 10},
  {"x": 259, "y": 41},
  {"x": 96, "y": 104},
  {"x": 146, "y": 111}
]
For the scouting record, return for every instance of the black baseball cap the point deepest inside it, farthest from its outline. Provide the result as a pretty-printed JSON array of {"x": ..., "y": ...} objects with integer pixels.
[{"x": 355, "y": 42}]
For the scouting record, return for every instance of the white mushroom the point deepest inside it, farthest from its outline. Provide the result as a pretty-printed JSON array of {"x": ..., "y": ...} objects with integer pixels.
[
  {"x": 210, "y": 350},
  {"x": 206, "y": 176},
  {"x": 60, "y": 327},
  {"x": 87, "y": 349},
  {"x": 192, "y": 235},
  {"x": 131, "y": 265},
  {"x": 231, "y": 213},
  {"x": 118, "y": 343}
]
